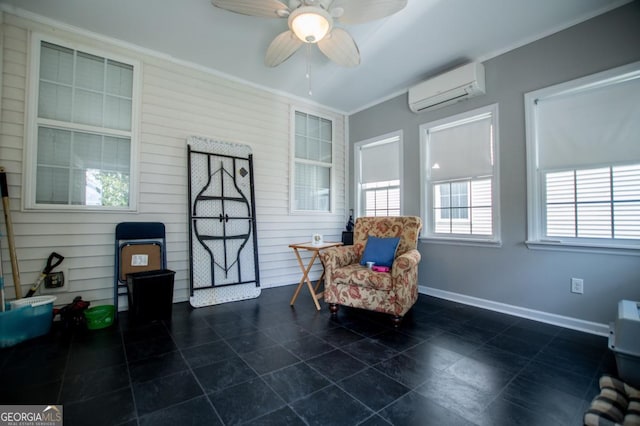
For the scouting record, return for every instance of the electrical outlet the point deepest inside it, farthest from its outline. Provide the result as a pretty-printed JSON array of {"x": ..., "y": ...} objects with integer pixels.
[
  {"x": 46, "y": 287},
  {"x": 54, "y": 280},
  {"x": 577, "y": 285}
]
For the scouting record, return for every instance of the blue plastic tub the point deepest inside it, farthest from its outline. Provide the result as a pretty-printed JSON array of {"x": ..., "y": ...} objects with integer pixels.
[{"x": 27, "y": 318}]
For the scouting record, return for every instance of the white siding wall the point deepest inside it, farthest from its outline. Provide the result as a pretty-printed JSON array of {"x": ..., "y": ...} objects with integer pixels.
[{"x": 177, "y": 101}]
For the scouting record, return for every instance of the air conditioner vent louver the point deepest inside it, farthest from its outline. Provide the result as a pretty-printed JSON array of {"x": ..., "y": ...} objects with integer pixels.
[{"x": 458, "y": 84}]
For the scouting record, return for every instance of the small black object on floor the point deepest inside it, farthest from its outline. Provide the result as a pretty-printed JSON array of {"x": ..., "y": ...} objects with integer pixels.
[{"x": 151, "y": 295}]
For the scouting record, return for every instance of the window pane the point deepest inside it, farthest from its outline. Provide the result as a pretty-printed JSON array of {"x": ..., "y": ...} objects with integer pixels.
[
  {"x": 325, "y": 152},
  {"x": 594, "y": 220},
  {"x": 593, "y": 196},
  {"x": 92, "y": 187},
  {"x": 56, "y": 64},
  {"x": 382, "y": 198},
  {"x": 301, "y": 147},
  {"x": 593, "y": 185},
  {"x": 312, "y": 179},
  {"x": 463, "y": 207},
  {"x": 312, "y": 187},
  {"x": 90, "y": 72},
  {"x": 481, "y": 212},
  {"x": 87, "y": 151},
  {"x": 78, "y": 94},
  {"x": 560, "y": 187},
  {"x": 561, "y": 220},
  {"x": 460, "y": 226},
  {"x": 52, "y": 186},
  {"x": 605, "y": 204},
  {"x": 325, "y": 130},
  {"x": 113, "y": 187},
  {"x": 87, "y": 108},
  {"x": 301, "y": 123},
  {"x": 627, "y": 220},
  {"x": 78, "y": 187},
  {"x": 313, "y": 149},
  {"x": 80, "y": 168},
  {"x": 560, "y": 193},
  {"x": 482, "y": 221},
  {"x": 312, "y": 143},
  {"x": 116, "y": 154},
  {"x": 119, "y": 79},
  {"x": 54, "y": 147},
  {"x": 459, "y": 198},
  {"x": 626, "y": 195},
  {"x": 117, "y": 114},
  {"x": 626, "y": 183},
  {"x": 313, "y": 126},
  {"x": 54, "y": 101}
]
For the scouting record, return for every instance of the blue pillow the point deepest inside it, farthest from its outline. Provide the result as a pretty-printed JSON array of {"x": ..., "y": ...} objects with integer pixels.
[{"x": 382, "y": 251}]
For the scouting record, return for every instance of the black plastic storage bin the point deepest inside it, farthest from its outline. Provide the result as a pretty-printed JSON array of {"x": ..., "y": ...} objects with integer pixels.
[{"x": 151, "y": 294}]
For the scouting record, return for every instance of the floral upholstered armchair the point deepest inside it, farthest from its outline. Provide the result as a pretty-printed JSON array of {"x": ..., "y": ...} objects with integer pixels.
[{"x": 350, "y": 283}]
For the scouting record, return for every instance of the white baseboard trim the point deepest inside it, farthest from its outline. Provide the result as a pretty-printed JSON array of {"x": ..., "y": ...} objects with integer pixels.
[{"x": 546, "y": 317}]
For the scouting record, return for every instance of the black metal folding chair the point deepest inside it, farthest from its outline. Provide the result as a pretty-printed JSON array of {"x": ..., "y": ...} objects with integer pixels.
[{"x": 139, "y": 247}]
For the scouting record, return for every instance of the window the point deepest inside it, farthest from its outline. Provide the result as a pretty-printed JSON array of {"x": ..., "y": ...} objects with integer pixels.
[
  {"x": 583, "y": 160},
  {"x": 378, "y": 170},
  {"x": 312, "y": 164},
  {"x": 81, "y": 133},
  {"x": 454, "y": 199},
  {"x": 460, "y": 185}
]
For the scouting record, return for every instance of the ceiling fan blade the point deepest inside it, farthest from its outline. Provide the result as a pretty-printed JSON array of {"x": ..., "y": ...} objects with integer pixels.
[
  {"x": 281, "y": 48},
  {"x": 340, "y": 47},
  {"x": 264, "y": 8},
  {"x": 359, "y": 11}
]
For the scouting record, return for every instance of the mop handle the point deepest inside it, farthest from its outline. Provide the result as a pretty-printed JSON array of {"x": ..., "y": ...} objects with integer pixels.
[{"x": 4, "y": 189}]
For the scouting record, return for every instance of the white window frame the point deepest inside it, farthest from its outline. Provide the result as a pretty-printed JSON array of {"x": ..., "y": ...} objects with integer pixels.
[
  {"x": 293, "y": 160},
  {"x": 30, "y": 154},
  {"x": 536, "y": 214},
  {"x": 357, "y": 167},
  {"x": 426, "y": 186}
]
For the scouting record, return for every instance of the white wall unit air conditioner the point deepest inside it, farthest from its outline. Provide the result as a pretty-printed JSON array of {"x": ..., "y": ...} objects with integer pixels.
[{"x": 458, "y": 84}]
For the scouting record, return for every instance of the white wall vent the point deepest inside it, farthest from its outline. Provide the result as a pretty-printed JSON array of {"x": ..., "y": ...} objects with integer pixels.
[{"x": 456, "y": 85}]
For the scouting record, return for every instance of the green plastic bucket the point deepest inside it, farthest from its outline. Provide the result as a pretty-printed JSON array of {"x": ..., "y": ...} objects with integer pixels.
[{"x": 100, "y": 316}]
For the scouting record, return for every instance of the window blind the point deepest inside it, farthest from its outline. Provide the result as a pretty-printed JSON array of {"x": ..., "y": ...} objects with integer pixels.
[
  {"x": 461, "y": 151},
  {"x": 598, "y": 125},
  {"x": 380, "y": 162}
]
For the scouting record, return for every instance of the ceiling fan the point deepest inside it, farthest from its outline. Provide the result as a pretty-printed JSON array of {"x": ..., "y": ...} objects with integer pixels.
[{"x": 311, "y": 22}]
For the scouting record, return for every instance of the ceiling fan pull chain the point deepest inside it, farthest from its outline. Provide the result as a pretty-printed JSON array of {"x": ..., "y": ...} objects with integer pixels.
[{"x": 308, "y": 74}]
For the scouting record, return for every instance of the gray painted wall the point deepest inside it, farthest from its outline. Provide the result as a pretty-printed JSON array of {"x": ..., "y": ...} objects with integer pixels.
[{"x": 514, "y": 274}]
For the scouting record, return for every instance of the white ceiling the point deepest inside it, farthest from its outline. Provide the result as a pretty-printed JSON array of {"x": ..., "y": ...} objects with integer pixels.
[{"x": 425, "y": 38}]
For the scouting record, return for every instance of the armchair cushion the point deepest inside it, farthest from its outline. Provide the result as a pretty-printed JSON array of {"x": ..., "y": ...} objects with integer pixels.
[
  {"x": 359, "y": 276},
  {"x": 381, "y": 251}
]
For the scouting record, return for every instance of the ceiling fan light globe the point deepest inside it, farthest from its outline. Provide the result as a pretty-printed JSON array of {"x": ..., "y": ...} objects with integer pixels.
[{"x": 310, "y": 24}]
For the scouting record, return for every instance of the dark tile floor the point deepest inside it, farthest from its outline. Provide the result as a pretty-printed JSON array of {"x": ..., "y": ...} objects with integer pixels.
[{"x": 260, "y": 362}]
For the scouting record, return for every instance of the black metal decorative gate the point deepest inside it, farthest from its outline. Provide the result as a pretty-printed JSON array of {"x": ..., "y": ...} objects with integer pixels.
[{"x": 222, "y": 225}]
